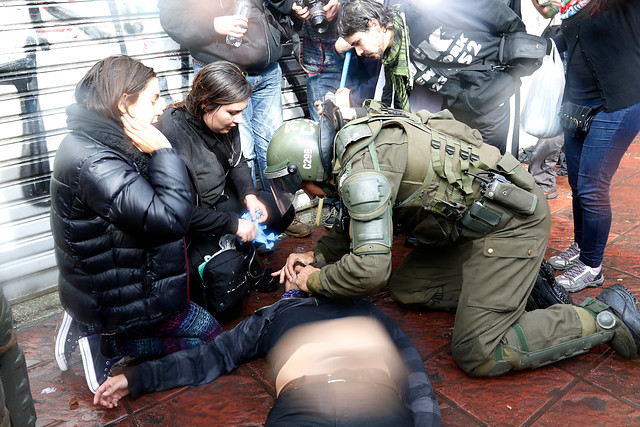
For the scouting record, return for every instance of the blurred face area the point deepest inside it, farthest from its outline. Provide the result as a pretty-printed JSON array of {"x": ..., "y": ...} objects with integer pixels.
[
  {"x": 149, "y": 105},
  {"x": 225, "y": 117},
  {"x": 373, "y": 42}
]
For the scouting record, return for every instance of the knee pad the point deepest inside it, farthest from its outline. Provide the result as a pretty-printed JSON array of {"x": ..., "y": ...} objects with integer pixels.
[{"x": 367, "y": 197}]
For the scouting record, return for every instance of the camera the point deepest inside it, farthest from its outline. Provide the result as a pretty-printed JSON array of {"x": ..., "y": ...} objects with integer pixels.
[{"x": 318, "y": 18}]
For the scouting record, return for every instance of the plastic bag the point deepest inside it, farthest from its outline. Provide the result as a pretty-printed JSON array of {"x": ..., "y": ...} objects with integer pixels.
[{"x": 540, "y": 111}]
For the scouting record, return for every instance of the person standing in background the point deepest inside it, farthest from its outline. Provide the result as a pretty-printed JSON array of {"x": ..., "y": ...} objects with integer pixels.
[
  {"x": 202, "y": 28},
  {"x": 603, "y": 40}
]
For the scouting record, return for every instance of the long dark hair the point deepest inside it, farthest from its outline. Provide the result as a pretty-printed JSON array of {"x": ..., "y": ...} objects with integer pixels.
[
  {"x": 216, "y": 84},
  {"x": 355, "y": 16},
  {"x": 102, "y": 88},
  {"x": 599, "y": 6}
]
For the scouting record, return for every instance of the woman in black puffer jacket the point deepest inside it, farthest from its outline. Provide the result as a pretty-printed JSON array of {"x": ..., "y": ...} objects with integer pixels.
[{"x": 121, "y": 204}]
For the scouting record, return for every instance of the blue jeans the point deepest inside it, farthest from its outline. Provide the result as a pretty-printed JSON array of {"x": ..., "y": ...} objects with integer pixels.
[
  {"x": 592, "y": 161},
  {"x": 317, "y": 87},
  {"x": 261, "y": 118}
]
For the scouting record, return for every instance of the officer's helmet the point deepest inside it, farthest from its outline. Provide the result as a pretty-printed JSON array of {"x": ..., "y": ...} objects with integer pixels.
[{"x": 293, "y": 156}]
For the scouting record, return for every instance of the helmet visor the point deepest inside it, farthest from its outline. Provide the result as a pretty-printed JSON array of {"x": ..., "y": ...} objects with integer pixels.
[{"x": 284, "y": 181}]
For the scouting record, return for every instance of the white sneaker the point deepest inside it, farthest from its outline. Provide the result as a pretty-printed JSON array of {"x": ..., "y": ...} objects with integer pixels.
[
  {"x": 566, "y": 259},
  {"x": 578, "y": 277}
]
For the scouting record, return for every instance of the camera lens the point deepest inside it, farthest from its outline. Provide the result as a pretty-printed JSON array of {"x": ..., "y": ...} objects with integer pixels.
[{"x": 318, "y": 18}]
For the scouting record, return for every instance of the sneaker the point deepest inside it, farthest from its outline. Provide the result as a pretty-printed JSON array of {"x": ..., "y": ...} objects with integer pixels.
[
  {"x": 67, "y": 333},
  {"x": 330, "y": 220},
  {"x": 579, "y": 277},
  {"x": 624, "y": 306},
  {"x": 96, "y": 365},
  {"x": 551, "y": 194},
  {"x": 566, "y": 259},
  {"x": 298, "y": 229}
]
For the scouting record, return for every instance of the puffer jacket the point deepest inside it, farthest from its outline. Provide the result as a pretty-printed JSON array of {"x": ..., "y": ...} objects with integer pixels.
[{"x": 118, "y": 236}]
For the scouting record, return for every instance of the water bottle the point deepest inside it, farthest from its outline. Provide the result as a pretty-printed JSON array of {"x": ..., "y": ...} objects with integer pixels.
[{"x": 243, "y": 7}]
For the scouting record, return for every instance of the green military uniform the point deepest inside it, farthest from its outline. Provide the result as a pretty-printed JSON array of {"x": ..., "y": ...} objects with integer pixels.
[{"x": 485, "y": 275}]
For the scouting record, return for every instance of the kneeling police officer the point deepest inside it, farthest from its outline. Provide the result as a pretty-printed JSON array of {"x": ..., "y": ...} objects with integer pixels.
[{"x": 481, "y": 224}]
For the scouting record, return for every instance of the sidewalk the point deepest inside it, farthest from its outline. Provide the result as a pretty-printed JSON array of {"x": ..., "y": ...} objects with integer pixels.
[{"x": 598, "y": 388}]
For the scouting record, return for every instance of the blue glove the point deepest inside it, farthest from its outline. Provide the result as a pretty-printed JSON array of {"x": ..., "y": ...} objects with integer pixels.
[{"x": 263, "y": 236}]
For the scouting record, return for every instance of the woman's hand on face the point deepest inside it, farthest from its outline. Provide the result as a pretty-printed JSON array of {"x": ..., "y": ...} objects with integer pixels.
[
  {"x": 145, "y": 137},
  {"x": 246, "y": 230},
  {"x": 232, "y": 25},
  {"x": 254, "y": 205}
]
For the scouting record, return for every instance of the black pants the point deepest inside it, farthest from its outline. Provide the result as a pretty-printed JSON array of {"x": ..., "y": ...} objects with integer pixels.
[
  {"x": 340, "y": 404},
  {"x": 276, "y": 222}
]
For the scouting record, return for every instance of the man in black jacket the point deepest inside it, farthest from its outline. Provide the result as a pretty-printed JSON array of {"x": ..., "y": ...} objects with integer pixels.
[
  {"x": 395, "y": 395},
  {"x": 451, "y": 48}
]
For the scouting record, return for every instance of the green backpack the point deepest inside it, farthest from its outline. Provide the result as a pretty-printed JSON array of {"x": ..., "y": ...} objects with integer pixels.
[{"x": 455, "y": 157}]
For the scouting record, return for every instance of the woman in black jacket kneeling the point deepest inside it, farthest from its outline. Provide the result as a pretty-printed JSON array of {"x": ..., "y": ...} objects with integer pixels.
[{"x": 120, "y": 208}]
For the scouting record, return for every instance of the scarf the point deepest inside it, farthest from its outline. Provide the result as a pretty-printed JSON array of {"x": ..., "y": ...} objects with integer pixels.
[
  {"x": 396, "y": 61},
  {"x": 571, "y": 7},
  {"x": 107, "y": 132}
]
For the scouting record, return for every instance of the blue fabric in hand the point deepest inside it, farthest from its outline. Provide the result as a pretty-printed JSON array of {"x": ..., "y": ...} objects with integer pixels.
[{"x": 263, "y": 236}]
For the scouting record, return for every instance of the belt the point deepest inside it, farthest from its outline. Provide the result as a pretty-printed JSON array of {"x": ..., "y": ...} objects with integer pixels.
[
  {"x": 246, "y": 73},
  {"x": 370, "y": 376}
]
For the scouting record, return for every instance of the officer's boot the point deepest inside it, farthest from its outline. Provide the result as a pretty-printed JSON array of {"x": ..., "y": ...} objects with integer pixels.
[
  {"x": 546, "y": 292},
  {"x": 616, "y": 311}
]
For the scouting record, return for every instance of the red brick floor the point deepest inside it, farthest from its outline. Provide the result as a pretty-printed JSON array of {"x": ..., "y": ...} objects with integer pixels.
[{"x": 598, "y": 388}]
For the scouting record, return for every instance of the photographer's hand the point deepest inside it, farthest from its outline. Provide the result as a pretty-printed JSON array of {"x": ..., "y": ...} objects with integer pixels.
[
  {"x": 331, "y": 9},
  {"x": 301, "y": 11}
]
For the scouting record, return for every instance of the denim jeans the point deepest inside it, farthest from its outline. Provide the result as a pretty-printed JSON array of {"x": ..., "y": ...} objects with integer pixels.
[
  {"x": 317, "y": 87},
  {"x": 261, "y": 118},
  {"x": 592, "y": 161}
]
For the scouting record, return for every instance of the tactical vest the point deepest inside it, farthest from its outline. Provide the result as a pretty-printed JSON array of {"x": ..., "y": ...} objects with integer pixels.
[{"x": 444, "y": 156}]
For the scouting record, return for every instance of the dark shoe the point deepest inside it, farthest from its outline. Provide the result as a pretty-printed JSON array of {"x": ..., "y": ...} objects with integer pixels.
[
  {"x": 626, "y": 341},
  {"x": 298, "y": 229},
  {"x": 330, "y": 220},
  {"x": 96, "y": 365},
  {"x": 546, "y": 292},
  {"x": 551, "y": 194},
  {"x": 68, "y": 332}
]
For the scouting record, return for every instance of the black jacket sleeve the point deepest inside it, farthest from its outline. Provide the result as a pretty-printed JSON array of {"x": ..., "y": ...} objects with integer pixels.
[
  {"x": 216, "y": 222},
  {"x": 114, "y": 188},
  {"x": 202, "y": 364},
  {"x": 240, "y": 173},
  {"x": 190, "y": 22}
]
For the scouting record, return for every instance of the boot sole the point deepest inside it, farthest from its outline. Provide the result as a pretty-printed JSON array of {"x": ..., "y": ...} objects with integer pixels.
[
  {"x": 61, "y": 338},
  {"x": 625, "y": 295}
]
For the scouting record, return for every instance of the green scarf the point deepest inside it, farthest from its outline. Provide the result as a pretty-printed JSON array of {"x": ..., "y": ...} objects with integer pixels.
[{"x": 396, "y": 62}]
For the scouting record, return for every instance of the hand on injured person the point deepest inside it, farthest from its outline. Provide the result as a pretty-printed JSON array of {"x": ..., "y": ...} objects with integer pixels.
[{"x": 296, "y": 271}]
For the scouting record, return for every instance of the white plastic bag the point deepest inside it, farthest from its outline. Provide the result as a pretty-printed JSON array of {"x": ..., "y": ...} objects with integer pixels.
[{"x": 540, "y": 111}]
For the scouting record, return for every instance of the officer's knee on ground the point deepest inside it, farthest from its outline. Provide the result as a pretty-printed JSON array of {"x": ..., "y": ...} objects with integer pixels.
[{"x": 476, "y": 364}]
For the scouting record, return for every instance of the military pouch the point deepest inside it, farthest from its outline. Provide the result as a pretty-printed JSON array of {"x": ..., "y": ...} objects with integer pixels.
[
  {"x": 511, "y": 196},
  {"x": 480, "y": 218}
]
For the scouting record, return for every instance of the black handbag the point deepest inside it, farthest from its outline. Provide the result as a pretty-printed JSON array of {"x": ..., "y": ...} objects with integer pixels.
[
  {"x": 576, "y": 119},
  {"x": 219, "y": 279}
]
